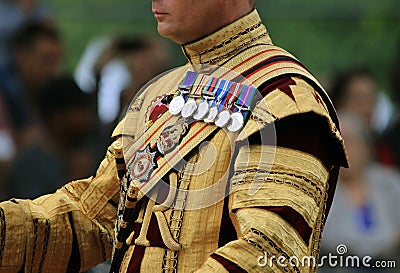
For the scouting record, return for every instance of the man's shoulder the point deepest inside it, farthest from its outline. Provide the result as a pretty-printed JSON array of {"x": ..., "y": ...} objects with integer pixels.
[
  {"x": 278, "y": 75},
  {"x": 285, "y": 86}
]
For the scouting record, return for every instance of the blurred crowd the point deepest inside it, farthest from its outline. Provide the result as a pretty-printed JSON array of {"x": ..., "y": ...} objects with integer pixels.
[{"x": 55, "y": 126}]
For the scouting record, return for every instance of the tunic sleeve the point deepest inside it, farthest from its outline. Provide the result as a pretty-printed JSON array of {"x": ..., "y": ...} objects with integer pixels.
[
  {"x": 281, "y": 191},
  {"x": 70, "y": 230}
]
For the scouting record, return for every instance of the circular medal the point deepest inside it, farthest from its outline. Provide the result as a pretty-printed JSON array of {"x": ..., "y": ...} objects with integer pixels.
[
  {"x": 176, "y": 105},
  {"x": 212, "y": 115},
  {"x": 189, "y": 108},
  {"x": 202, "y": 110},
  {"x": 223, "y": 119},
  {"x": 236, "y": 122}
]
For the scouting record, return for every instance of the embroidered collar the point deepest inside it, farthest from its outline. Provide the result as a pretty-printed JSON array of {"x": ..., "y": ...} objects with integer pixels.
[{"x": 221, "y": 45}]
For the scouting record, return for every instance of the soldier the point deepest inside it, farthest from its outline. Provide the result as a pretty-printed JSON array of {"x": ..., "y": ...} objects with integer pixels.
[{"x": 202, "y": 185}]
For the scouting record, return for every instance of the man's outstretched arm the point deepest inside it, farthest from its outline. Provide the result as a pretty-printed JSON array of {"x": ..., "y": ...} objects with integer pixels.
[{"x": 68, "y": 231}]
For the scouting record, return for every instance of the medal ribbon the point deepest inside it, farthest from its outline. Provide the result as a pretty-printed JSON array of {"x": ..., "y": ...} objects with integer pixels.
[
  {"x": 233, "y": 93},
  {"x": 187, "y": 82},
  {"x": 245, "y": 99},
  {"x": 226, "y": 85},
  {"x": 221, "y": 90},
  {"x": 210, "y": 90},
  {"x": 199, "y": 85}
]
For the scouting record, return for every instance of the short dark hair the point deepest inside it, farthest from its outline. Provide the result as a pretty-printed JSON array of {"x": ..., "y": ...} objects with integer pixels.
[
  {"x": 26, "y": 36},
  {"x": 62, "y": 94}
]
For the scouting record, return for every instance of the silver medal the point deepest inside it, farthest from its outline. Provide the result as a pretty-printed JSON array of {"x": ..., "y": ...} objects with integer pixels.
[
  {"x": 212, "y": 115},
  {"x": 236, "y": 123},
  {"x": 223, "y": 119},
  {"x": 202, "y": 111},
  {"x": 176, "y": 105},
  {"x": 189, "y": 108}
]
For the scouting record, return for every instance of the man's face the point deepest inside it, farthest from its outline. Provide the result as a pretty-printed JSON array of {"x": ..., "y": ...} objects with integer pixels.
[
  {"x": 183, "y": 21},
  {"x": 40, "y": 63},
  {"x": 361, "y": 98}
]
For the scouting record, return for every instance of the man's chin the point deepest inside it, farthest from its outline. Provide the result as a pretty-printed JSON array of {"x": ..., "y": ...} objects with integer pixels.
[
  {"x": 163, "y": 30},
  {"x": 166, "y": 32}
]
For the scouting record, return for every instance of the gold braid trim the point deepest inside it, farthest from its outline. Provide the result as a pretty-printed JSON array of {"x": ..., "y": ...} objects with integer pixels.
[
  {"x": 276, "y": 228},
  {"x": 274, "y": 195},
  {"x": 299, "y": 182},
  {"x": 13, "y": 232},
  {"x": 265, "y": 244},
  {"x": 246, "y": 251},
  {"x": 170, "y": 259},
  {"x": 295, "y": 179},
  {"x": 280, "y": 159},
  {"x": 231, "y": 40},
  {"x": 41, "y": 229},
  {"x": 319, "y": 226}
]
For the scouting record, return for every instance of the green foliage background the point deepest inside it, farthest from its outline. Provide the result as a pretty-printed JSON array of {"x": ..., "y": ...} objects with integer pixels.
[{"x": 328, "y": 36}]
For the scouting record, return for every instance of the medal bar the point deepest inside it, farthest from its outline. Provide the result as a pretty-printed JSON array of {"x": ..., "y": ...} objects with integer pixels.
[{"x": 224, "y": 103}]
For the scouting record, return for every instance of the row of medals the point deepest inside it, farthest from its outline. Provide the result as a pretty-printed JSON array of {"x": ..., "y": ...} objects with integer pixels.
[{"x": 203, "y": 112}]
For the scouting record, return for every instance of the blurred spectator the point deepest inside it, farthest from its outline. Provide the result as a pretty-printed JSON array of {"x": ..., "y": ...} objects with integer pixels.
[
  {"x": 68, "y": 147},
  {"x": 365, "y": 213},
  {"x": 388, "y": 151},
  {"x": 13, "y": 14},
  {"x": 7, "y": 145},
  {"x": 101, "y": 72},
  {"x": 356, "y": 91},
  {"x": 110, "y": 66},
  {"x": 37, "y": 53},
  {"x": 150, "y": 59}
]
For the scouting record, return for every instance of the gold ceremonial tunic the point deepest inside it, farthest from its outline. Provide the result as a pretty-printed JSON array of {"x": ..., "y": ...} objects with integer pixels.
[{"x": 279, "y": 191}]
